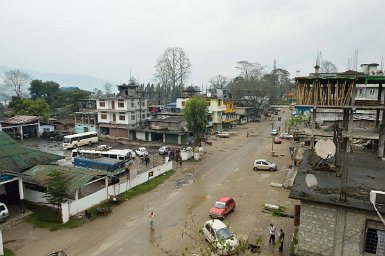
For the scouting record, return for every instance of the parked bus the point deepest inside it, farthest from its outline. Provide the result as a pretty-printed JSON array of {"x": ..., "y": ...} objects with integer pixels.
[
  {"x": 119, "y": 154},
  {"x": 80, "y": 139}
]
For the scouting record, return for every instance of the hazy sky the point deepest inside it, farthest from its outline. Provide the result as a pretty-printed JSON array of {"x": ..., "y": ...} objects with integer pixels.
[{"x": 108, "y": 38}]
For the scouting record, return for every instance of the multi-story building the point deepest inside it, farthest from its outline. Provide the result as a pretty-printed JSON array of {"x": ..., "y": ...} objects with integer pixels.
[
  {"x": 119, "y": 115},
  {"x": 86, "y": 120},
  {"x": 229, "y": 116},
  {"x": 337, "y": 215},
  {"x": 216, "y": 107}
]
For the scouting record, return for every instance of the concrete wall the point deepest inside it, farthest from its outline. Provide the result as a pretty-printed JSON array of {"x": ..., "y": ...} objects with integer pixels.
[
  {"x": 327, "y": 230},
  {"x": 34, "y": 196},
  {"x": 47, "y": 127},
  {"x": 74, "y": 207}
]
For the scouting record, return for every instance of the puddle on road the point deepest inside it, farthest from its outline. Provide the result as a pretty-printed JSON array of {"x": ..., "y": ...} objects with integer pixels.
[{"x": 186, "y": 180}]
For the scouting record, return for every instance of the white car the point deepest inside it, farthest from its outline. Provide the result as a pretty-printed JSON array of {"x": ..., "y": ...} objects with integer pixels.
[
  {"x": 164, "y": 150},
  {"x": 274, "y": 132},
  {"x": 223, "y": 135},
  {"x": 141, "y": 152},
  {"x": 4, "y": 213},
  {"x": 263, "y": 164},
  {"x": 219, "y": 235},
  {"x": 286, "y": 136}
]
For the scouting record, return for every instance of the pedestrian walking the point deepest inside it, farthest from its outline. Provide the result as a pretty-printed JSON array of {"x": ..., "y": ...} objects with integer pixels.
[
  {"x": 271, "y": 234},
  {"x": 151, "y": 217},
  {"x": 281, "y": 238},
  {"x": 147, "y": 159}
]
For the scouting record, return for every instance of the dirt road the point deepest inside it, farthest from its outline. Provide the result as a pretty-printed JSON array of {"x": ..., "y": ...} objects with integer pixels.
[{"x": 181, "y": 205}]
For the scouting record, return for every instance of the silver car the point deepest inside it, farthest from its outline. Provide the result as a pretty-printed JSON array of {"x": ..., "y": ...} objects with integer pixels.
[{"x": 263, "y": 164}]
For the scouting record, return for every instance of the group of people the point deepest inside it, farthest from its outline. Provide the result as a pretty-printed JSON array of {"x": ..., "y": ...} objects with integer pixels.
[
  {"x": 281, "y": 236},
  {"x": 175, "y": 155}
]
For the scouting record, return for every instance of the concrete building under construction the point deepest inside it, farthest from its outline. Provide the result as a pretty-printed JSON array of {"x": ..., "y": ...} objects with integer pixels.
[{"x": 336, "y": 215}]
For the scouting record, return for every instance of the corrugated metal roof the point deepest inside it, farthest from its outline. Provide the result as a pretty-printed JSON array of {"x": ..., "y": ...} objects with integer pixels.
[
  {"x": 18, "y": 158},
  {"x": 74, "y": 177},
  {"x": 22, "y": 119}
]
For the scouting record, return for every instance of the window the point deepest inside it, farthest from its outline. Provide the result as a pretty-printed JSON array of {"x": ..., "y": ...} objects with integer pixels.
[
  {"x": 102, "y": 103},
  {"x": 143, "y": 104},
  {"x": 371, "y": 92},
  {"x": 133, "y": 117},
  {"x": 122, "y": 117},
  {"x": 374, "y": 238},
  {"x": 120, "y": 104},
  {"x": 183, "y": 103},
  {"x": 360, "y": 91},
  {"x": 143, "y": 116},
  {"x": 208, "y": 103},
  {"x": 132, "y": 104},
  {"x": 103, "y": 116}
]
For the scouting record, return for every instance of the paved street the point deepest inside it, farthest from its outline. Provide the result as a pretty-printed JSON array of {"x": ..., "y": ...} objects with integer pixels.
[{"x": 181, "y": 205}]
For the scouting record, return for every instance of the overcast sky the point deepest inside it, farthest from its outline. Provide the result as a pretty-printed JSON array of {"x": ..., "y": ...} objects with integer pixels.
[{"x": 108, "y": 38}]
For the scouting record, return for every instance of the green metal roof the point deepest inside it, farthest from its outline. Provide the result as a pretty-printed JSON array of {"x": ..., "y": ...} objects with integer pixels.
[
  {"x": 16, "y": 158},
  {"x": 74, "y": 177}
]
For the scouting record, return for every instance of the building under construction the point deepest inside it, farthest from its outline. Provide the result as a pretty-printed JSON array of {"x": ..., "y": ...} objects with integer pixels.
[{"x": 336, "y": 215}]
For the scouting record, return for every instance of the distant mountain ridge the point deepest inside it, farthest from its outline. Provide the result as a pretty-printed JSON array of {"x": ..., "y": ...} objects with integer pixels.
[{"x": 84, "y": 82}]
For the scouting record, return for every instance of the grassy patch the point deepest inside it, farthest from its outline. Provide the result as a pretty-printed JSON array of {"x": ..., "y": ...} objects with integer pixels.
[
  {"x": 281, "y": 211},
  {"x": 53, "y": 226},
  {"x": 8, "y": 252},
  {"x": 75, "y": 222},
  {"x": 147, "y": 186}
]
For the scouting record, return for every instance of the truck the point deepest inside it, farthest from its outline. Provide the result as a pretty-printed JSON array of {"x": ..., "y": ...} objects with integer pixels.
[{"x": 105, "y": 164}]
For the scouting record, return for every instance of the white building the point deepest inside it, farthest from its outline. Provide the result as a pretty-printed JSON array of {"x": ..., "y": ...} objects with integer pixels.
[
  {"x": 216, "y": 107},
  {"x": 118, "y": 115}
]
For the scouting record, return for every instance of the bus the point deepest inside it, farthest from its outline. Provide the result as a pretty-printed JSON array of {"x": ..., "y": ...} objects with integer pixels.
[
  {"x": 119, "y": 154},
  {"x": 80, "y": 139}
]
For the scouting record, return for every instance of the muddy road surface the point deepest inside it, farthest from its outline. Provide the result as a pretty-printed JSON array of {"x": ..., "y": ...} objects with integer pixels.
[{"x": 181, "y": 205}]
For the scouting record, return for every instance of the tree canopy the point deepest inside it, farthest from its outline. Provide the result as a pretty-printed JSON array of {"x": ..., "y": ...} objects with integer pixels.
[
  {"x": 56, "y": 193},
  {"x": 37, "y": 107},
  {"x": 45, "y": 90},
  {"x": 196, "y": 115},
  {"x": 172, "y": 71}
]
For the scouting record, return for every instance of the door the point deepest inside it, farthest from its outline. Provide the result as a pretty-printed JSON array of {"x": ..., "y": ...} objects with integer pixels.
[{"x": 265, "y": 166}]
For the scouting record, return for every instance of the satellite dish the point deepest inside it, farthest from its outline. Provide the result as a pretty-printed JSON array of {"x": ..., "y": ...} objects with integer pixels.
[
  {"x": 311, "y": 180},
  {"x": 325, "y": 149}
]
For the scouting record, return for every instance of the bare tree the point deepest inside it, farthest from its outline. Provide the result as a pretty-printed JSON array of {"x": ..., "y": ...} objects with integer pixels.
[
  {"x": 173, "y": 69},
  {"x": 249, "y": 70},
  {"x": 218, "y": 82},
  {"x": 328, "y": 67},
  {"x": 108, "y": 89},
  {"x": 14, "y": 83}
]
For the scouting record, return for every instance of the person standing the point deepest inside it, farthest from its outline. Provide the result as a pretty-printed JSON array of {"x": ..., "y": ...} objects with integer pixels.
[
  {"x": 151, "y": 217},
  {"x": 281, "y": 237},
  {"x": 272, "y": 234}
]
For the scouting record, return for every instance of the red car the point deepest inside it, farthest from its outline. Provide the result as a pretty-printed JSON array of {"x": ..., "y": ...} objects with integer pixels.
[
  {"x": 277, "y": 140},
  {"x": 222, "y": 207}
]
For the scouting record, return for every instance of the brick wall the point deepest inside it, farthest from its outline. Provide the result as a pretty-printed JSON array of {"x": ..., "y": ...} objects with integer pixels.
[{"x": 327, "y": 230}]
